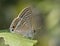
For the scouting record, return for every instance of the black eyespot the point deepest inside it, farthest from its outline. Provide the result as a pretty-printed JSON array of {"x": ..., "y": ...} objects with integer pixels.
[
  {"x": 13, "y": 27},
  {"x": 34, "y": 31}
]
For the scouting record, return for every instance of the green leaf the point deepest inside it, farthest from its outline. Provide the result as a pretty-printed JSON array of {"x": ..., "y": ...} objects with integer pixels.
[
  {"x": 13, "y": 39},
  {"x": 2, "y": 42}
]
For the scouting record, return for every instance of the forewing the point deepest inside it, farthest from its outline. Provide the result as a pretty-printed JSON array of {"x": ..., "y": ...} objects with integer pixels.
[{"x": 24, "y": 26}]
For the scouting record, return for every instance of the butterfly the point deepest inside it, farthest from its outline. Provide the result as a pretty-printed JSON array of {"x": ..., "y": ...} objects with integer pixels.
[{"x": 22, "y": 24}]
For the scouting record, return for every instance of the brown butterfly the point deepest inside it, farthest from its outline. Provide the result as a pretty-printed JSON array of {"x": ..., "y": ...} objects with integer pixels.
[{"x": 25, "y": 23}]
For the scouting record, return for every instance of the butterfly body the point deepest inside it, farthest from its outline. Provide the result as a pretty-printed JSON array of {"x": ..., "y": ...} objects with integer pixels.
[{"x": 26, "y": 23}]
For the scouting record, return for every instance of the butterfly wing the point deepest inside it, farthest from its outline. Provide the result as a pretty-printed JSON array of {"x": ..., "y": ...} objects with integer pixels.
[
  {"x": 13, "y": 24},
  {"x": 24, "y": 26}
]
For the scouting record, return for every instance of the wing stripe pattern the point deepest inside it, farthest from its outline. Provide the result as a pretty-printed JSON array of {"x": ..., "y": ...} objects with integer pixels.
[{"x": 25, "y": 18}]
